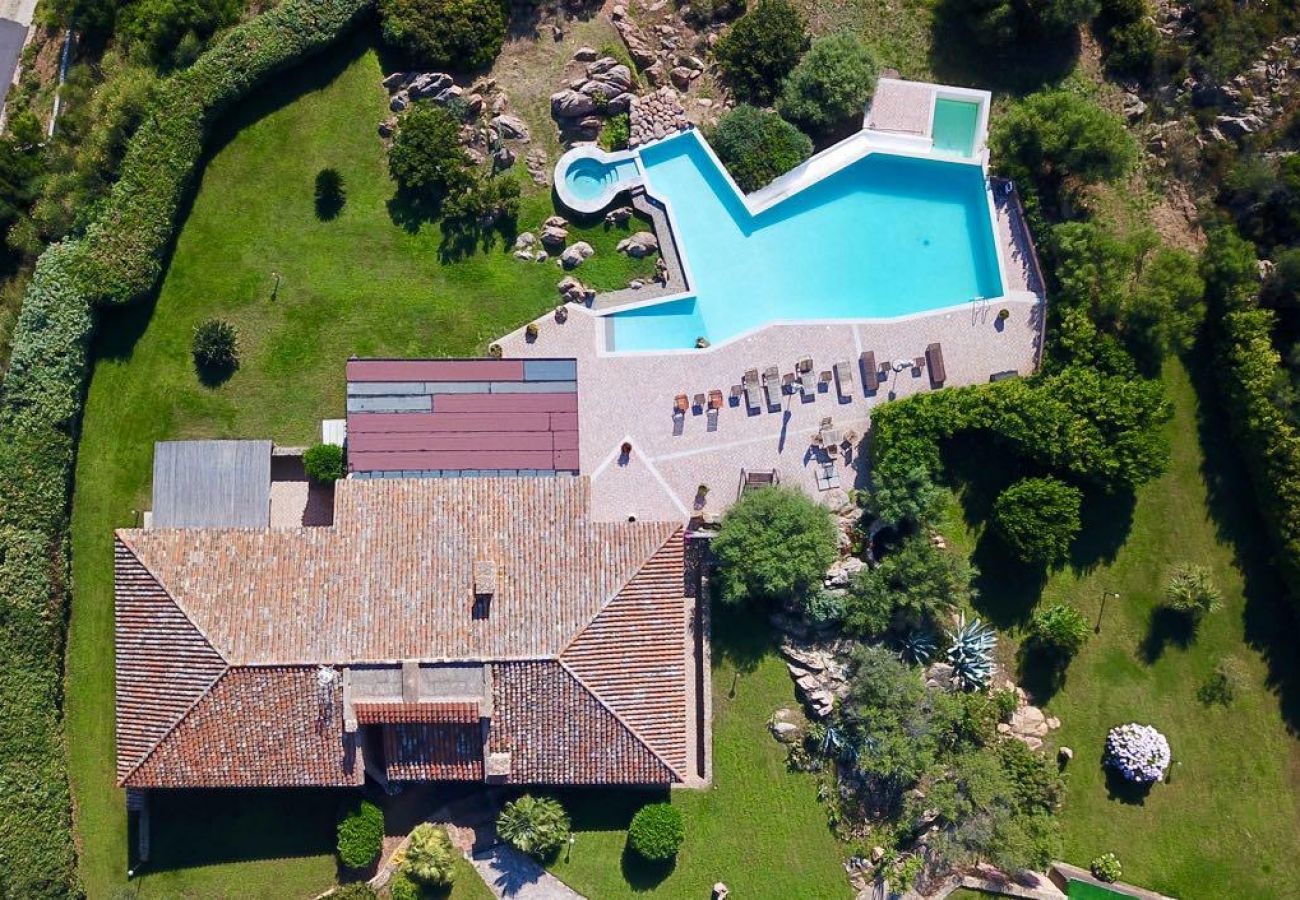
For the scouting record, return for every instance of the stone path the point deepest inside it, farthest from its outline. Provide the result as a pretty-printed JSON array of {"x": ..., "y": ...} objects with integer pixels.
[{"x": 511, "y": 875}]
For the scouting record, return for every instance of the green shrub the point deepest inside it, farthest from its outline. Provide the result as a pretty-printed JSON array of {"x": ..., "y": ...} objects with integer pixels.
[
  {"x": 1060, "y": 630},
  {"x": 324, "y": 463},
  {"x": 774, "y": 544},
  {"x": 831, "y": 84},
  {"x": 538, "y": 826},
  {"x": 354, "y": 890},
  {"x": 403, "y": 887},
  {"x": 617, "y": 131},
  {"x": 657, "y": 831},
  {"x": 761, "y": 49},
  {"x": 1107, "y": 868},
  {"x": 756, "y": 145},
  {"x": 430, "y": 858},
  {"x": 215, "y": 345},
  {"x": 169, "y": 32},
  {"x": 1038, "y": 519},
  {"x": 824, "y": 608},
  {"x": 998, "y": 24},
  {"x": 1133, "y": 49},
  {"x": 426, "y": 159},
  {"x": 1191, "y": 589},
  {"x": 461, "y": 34},
  {"x": 119, "y": 259},
  {"x": 360, "y": 835},
  {"x": 915, "y": 587},
  {"x": 1222, "y": 686}
]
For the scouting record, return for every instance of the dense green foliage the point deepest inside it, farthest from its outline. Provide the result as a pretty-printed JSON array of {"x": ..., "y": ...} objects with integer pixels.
[
  {"x": 430, "y": 859},
  {"x": 1107, "y": 867},
  {"x": 1000, "y": 24},
  {"x": 756, "y": 145},
  {"x": 361, "y": 834},
  {"x": 1129, "y": 37},
  {"x": 354, "y": 890},
  {"x": 1055, "y": 137},
  {"x": 119, "y": 259},
  {"x": 910, "y": 498},
  {"x": 990, "y": 799},
  {"x": 1267, "y": 441},
  {"x": 457, "y": 34},
  {"x": 538, "y": 826},
  {"x": 1059, "y": 630},
  {"x": 831, "y": 84},
  {"x": 426, "y": 159},
  {"x": 657, "y": 831},
  {"x": 761, "y": 49},
  {"x": 774, "y": 544},
  {"x": 1039, "y": 519},
  {"x": 914, "y": 586},
  {"x": 324, "y": 463},
  {"x": 1263, "y": 196}
]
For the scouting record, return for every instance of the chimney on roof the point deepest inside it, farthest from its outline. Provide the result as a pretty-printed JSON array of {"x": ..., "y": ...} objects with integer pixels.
[{"x": 485, "y": 585}]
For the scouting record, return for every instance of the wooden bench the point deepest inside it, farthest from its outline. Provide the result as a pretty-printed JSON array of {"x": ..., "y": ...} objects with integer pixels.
[
  {"x": 934, "y": 362},
  {"x": 870, "y": 374}
]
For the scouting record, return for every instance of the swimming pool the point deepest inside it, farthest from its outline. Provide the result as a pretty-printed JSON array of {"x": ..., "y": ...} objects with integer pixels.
[
  {"x": 954, "y": 125},
  {"x": 884, "y": 236},
  {"x": 587, "y": 178}
]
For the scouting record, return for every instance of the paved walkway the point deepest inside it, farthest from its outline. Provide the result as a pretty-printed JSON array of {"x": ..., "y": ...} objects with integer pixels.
[{"x": 511, "y": 875}]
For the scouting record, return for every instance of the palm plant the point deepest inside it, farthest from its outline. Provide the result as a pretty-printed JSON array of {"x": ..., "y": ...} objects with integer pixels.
[
  {"x": 971, "y": 654},
  {"x": 537, "y": 826},
  {"x": 917, "y": 648},
  {"x": 430, "y": 857},
  {"x": 1192, "y": 590}
]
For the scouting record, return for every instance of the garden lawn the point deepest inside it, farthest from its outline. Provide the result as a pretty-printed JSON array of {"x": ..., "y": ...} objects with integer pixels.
[
  {"x": 759, "y": 828},
  {"x": 1228, "y": 823},
  {"x": 357, "y": 284}
]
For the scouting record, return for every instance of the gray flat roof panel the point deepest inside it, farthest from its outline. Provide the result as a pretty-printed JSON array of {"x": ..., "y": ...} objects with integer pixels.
[{"x": 212, "y": 484}]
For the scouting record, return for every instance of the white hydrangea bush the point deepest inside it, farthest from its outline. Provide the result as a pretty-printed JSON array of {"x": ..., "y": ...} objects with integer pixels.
[{"x": 1138, "y": 752}]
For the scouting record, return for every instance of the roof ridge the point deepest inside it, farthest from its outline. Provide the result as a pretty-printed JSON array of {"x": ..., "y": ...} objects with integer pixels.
[{"x": 640, "y": 739}]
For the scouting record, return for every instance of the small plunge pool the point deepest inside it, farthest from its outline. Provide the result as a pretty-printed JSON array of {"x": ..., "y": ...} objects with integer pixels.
[{"x": 588, "y": 179}]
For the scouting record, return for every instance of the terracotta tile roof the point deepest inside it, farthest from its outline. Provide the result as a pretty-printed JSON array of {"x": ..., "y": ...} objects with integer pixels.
[
  {"x": 633, "y": 655},
  {"x": 586, "y": 639},
  {"x": 394, "y": 578},
  {"x": 424, "y": 752},
  {"x": 557, "y": 732},
  {"x": 164, "y": 665},
  {"x": 378, "y": 713},
  {"x": 258, "y": 727}
]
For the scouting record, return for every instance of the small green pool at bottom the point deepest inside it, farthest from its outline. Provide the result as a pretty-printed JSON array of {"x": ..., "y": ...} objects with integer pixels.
[
  {"x": 954, "y": 125},
  {"x": 1082, "y": 890}
]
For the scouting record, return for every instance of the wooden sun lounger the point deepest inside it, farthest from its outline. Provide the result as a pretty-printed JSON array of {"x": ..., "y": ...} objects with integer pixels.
[
  {"x": 844, "y": 375},
  {"x": 870, "y": 374},
  {"x": 680, "y": 405},
  {"x": 934, "y": 362},
  {"x": 772, "y": 385},
  {"x": 750, "y": 382},
  {"x": 715, "y": 399}
]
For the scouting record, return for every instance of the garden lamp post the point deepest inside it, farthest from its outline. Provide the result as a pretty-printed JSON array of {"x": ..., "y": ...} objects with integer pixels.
[{"x": 1102, "y": 611}]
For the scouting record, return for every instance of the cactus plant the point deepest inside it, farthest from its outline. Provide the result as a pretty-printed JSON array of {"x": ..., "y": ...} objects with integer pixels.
[
  {"x": 917, "y": 648},
  {"x": 971, "y": 654}
]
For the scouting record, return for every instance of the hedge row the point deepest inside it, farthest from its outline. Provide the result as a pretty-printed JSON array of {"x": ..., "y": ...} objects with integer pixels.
[
  {"x": 119, "y": 259},
  {"x": 1101, "y": 429},
  {"x": 1267, "y": 442}
]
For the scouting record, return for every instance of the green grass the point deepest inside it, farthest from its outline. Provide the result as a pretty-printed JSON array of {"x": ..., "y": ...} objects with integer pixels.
[
  {"x": 759, "y": 828},
  {"x": 1228, "y": 823},
  {"x": 358, "y": 284}
]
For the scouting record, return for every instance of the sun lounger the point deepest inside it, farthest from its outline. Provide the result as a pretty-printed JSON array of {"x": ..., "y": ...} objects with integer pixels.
[
  {"x": 715, "y": 399},
  {"x": 772, "y": 385},
  {"x": 680, "y": 405},
  {"x": 870, "y": 374},
  {"x": 699, "y": 401},
  {"x": 844, "y": 376},
  {"x": 750, "y": 383},
  {"x": 934, "y": 362}
]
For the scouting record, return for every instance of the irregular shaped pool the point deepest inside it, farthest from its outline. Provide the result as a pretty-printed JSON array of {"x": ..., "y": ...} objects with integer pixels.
[
  {"x": 587, "y": 179},
  {"x": 884, "y": 236}
]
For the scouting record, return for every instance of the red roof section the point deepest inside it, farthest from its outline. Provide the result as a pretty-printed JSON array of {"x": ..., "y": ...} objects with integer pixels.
[
  {"x": 431, "y": 712},
  {"x": 453, "y": 416}
]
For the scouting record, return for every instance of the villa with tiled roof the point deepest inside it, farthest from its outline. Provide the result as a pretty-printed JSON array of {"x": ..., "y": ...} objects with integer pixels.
[{"x": 468, "y": 629}]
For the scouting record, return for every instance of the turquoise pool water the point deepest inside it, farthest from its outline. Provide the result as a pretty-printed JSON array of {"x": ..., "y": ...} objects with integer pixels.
[
  {"x": 954, "y": 125},
  {"x": 588, "y": 179},
  {"x": 883, "y": 237}
]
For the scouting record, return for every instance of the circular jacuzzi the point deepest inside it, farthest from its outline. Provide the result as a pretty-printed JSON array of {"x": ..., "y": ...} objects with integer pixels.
[{"x": 588, "y": 179}]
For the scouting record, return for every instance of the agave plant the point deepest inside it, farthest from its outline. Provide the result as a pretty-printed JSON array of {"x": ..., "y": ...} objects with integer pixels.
[
  {"x": 917, "y": 648},
  {"x": 971, "y": 654}
]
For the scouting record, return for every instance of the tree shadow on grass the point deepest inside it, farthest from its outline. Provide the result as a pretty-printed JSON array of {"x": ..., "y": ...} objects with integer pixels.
[
  {"x": 201, "y": 828},
  {"x": 643, "y": 874},
  {"x": 1105, "y": 520},
  {"x": 742, "y": 636},
  {"x": 1270, "y": 620},
  {"x": 1167, "y": 627},
  {"x": 957, "y": 57},
  {"x": 1040, "y": 673}
]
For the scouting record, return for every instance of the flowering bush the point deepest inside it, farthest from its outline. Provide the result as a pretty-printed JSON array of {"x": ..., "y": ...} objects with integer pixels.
[
  {"x": 1107, "y": 867},
  {"x": 1138, "y": 752}
]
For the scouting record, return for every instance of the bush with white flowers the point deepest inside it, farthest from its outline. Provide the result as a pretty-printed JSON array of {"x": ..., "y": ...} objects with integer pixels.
[{"x": 1138, "y": 752}]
